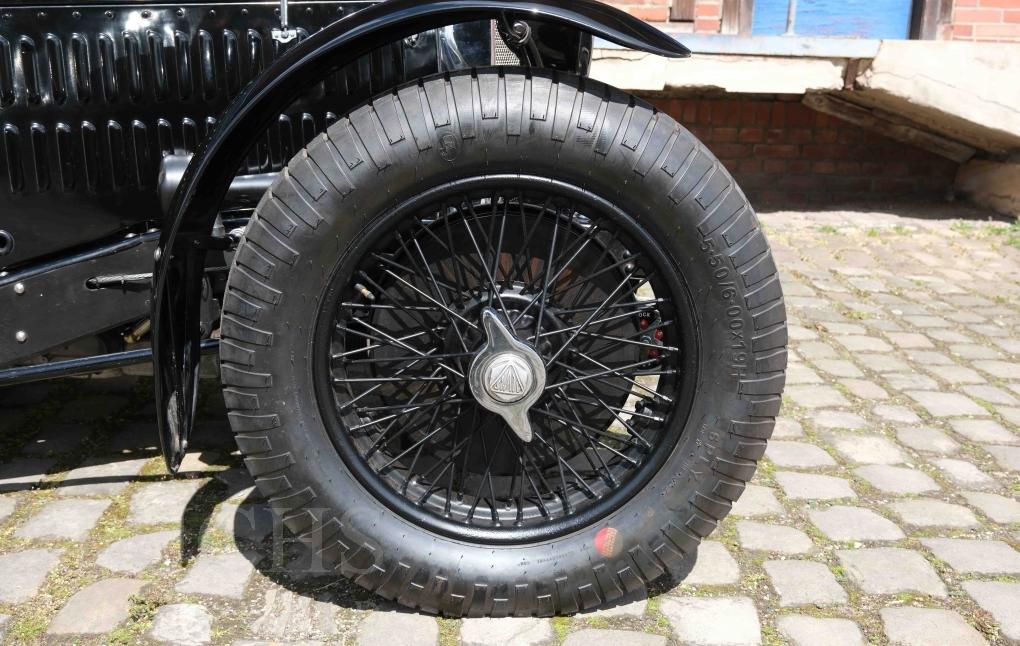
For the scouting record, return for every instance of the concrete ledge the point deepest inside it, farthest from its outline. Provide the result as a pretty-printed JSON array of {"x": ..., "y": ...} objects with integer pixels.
[
  {"x": 966, "y": 91},
  {"x": 991, "y": 184},
  {"x": 637, "y": 71}
]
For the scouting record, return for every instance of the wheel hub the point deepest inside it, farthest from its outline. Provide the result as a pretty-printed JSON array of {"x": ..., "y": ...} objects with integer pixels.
[{"x": 507, "y": 376}]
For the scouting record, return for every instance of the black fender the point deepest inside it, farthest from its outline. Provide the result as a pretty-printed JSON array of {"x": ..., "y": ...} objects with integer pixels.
[{"x": 177, "y": 285}]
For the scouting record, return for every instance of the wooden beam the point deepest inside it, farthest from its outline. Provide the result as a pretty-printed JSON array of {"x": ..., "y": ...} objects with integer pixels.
[
  {"x": 737, "y": 17},
  {"x": 888, "y": 125},
  {"x": 682, "y": 11}
]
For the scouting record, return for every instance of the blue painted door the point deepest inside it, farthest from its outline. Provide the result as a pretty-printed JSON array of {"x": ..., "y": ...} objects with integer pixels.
[{"x": 846, "y": 18}]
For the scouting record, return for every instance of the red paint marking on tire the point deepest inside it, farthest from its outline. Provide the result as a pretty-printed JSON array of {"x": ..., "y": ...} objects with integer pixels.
[{"x": 605, "y": 541}]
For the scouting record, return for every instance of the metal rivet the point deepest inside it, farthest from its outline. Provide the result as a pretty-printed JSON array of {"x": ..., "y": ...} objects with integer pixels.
[
  {"x": 19, "y": 288},
  {"x": 21, "y": 336}
]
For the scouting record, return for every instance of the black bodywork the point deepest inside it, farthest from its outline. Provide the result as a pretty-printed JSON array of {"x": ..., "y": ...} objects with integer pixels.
[{"x": 103, "y": 104}]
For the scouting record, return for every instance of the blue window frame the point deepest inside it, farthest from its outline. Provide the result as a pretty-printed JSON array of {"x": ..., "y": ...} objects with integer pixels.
[{"x": 886, "y": 19}]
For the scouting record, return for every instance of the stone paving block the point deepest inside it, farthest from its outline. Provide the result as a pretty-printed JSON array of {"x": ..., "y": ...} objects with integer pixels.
[
  {"x": 816, "y": 396},
  {"x": 720, "y": 621},
  {"x": 863, "y": 344},
  {"x": 975, "y": 556},
  {"x": 248, "y": 522},
  {"x": 797, "y": 454},
  {"x": 1011, "y": 414},
  {"x": 714, "y": 566},
  {"x": 985, "y": 431},
  {"x": 897, "y": 480},
  {"x": 630, "y": 605},
  {"x": 96, "y": 609},
  {"x": 772, "y": 538},
  {"x": 865, "y": 389},
  {"x": 787, "y": 428},
  {"x": 1000, "y": 509},
  {"x": 23, "y": 573},
  {"x": 815, "y": 350},
  {"x": 891, "y": 570},
  {"x": 182, "y": 624},
  {"x": 839, "y": 419},
  {"x": 240, "y": 484},
  {"x": 842, "y": 523},
  {"x": 802, "y": 630},
  {"x": 801, "y": 583},
  {"x": 100, "y": 477},
  {"x": 289, "y": 615},
  {"x": 928, "y": 627},
  {"x": 218, "y": 575},
  {"x": 957, "y": 375},
  {"x": 23, "y": 474},
  {"x": 7, "y": 505},
  {"x": 798, "y": 374},
  {"x": 756, "y": 501},
  {"x": 1008, "y": 457},
  {"x": 913, "y": 381},
  {"x": 601, "y": 637},
  {"x": 527, "y": 631},
  {"x": 303, "y": 642},
  {"x": 1001, "y": 600},
  {"x": 406, "y": 629},
  {"x": 882, "y": 363},
  {"x": 810, "y": 486},
  {"x": 934, "y": 513},
  {"x": 1000, "y": 369},
  {"x": 139, "y": 439},
  {"x": 943, "y": 404},
  {"x": 927, "y": 440},
  {"x": 991, "y": 394},
  {"x": 839, "y": 368},
  {"x": 64, "y": 519},
  {"x": 974, "y": 351},
  {"x": 162, "y": 502},
  {"x": 865, "y": 449},
  {"x": 134, "y": 554},
  {"x": 910, "y": 340},
  {"x": 966, "y": 474},
  {"x": 55, "y": 439},
  {"x": 896, "y": 414}
]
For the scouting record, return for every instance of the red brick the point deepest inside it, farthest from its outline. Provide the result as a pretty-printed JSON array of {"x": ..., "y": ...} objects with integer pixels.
[
  {"x": 1001, "y": 4},
  {"x": 774, "y": 165},
  {"x": 724, "y": 135},
  {"x": 825, "y": 167},
  {"x": 751, "y": 135},
  {"x": 707, "y": 26},
  {"x": 731, "y": 151},
  {"x": 1009, "y": 31},
  {"x": 978, "y": 15},
  {"x": 782, "y": 151}
]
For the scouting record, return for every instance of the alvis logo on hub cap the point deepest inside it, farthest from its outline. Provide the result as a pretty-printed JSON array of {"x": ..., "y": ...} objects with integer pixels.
[{"x": 509, "y": 378}]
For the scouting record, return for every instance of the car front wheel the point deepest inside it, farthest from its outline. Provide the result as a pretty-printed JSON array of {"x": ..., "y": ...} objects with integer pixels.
[{"x": 503, "y": 342}]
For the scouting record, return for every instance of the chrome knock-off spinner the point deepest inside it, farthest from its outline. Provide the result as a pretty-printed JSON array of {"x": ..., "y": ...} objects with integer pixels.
[{"x": 507, "y": 376}]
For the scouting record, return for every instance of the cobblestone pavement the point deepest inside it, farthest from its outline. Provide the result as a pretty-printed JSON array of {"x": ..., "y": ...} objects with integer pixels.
[{"x": 887, "y": 508}]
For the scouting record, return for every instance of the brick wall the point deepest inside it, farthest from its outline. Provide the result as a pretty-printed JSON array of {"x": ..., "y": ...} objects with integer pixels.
[
  {"x": 782, "y": 152},
  {"x": 985, "y": 20},
  {"x": 707, "y": 13}
]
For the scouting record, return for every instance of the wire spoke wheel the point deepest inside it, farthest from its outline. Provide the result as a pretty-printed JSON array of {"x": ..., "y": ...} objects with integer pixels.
[{"x": 574, "y": 280}]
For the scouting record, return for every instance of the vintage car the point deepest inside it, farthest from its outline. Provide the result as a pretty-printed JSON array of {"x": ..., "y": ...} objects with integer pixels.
[{"x": 494, "y": 338}]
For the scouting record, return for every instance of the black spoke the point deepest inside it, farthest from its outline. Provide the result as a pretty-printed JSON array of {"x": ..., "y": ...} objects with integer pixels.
[{"x": 576, "y": 283}]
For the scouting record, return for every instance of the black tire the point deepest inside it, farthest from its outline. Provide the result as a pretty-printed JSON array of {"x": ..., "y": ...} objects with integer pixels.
[{"x": 443, "y": 129}]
